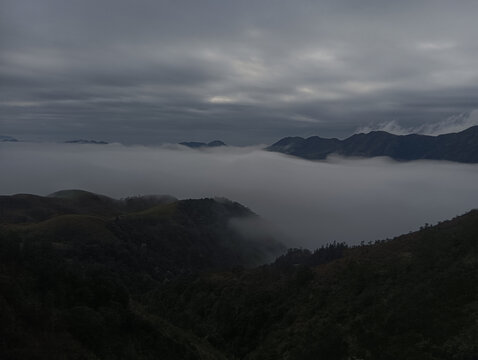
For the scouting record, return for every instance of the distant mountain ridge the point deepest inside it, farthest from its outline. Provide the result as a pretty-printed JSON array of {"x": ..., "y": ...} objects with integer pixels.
[
  {"x": 459, "y": 147},
  {"x": 197, "y": 145},
  {"x": 5, "y": 138},
  {"x": 84, "y": 141}
]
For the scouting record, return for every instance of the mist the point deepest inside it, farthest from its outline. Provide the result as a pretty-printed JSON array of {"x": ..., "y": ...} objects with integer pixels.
[
  {"x": 455, "y": 123},
  {"x": 308, "y": 203}
]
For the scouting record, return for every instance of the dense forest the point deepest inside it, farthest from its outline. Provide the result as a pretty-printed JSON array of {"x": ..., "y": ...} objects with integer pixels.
[{"x": 83, "y": 276}]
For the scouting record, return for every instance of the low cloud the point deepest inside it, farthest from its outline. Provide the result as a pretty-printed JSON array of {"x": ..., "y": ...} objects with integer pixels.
[
  {"x": 309, "y": 203},
  {"x": 452, "y": 124}
]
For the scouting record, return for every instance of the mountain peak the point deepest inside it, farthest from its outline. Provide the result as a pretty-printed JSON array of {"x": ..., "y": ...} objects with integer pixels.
[
  {"x": 6, "y": 138},
  {"x": 460, "y": 147},
  {"x": 198, "y": 145},
  {"x": 84, "y": 141}
]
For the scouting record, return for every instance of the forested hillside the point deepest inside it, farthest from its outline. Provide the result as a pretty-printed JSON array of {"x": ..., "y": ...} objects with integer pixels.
[{"x": 176, "y": 281}]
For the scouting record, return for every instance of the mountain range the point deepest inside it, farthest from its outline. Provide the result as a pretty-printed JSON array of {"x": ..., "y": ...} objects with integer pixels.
[
  {"x": 6, "y": 138},
  {"x": 459, "y": 147},
  {"x": 84, "y": 141},
  {"x": 85, "y": 276},
  {"x": 197, "y": 145},
  {"x": 203, "y": 231}
]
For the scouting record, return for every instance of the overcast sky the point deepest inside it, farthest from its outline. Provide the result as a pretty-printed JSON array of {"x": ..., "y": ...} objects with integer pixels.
[{"x": 245, "y": 72}]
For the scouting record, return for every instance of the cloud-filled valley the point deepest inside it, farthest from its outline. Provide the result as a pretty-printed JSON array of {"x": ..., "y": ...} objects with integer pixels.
[{"x": 309, "y": 203}]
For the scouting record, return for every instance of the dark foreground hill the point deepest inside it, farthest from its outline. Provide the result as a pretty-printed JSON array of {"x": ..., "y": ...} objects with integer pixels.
[
  {"x": 26, "y": 208},
  {"x": 74, "y": 267},
  {"x": 413, "y": 297},
  {"x": 174, "y": 236},
  {"x": 156, "y": 283},
  {"x": 460, "y": 147}
]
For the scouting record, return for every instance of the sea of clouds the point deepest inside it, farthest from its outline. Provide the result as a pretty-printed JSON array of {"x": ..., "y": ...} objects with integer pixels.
[{"x": 309, "y": 203}]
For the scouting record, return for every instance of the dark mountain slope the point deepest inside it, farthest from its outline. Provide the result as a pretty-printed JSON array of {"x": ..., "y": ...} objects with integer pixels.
[
  {"x": 134, "y": 286},
  {"x": 71, "y": 286},
  {"x": 32, "y": 208},
  {"x": 177, "y": 236},
  {"x": 414, "y": 297},
  {"x": 460, "y": 147}
]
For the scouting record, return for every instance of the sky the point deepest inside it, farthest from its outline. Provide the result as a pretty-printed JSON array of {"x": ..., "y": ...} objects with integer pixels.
[
  {"x": 305, "y": 203},
  {"x": 245, "y": 72}
]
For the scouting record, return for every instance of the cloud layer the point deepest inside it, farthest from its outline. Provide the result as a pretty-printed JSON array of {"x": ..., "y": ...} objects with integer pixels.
[
  {"x": 246, "y": 72},
  {"x": 453, "y": 124},
  {"x": 310, "y": 203}
]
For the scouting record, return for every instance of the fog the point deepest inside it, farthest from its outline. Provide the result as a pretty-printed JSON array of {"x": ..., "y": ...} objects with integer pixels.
[{"x": 309, "y": 203}]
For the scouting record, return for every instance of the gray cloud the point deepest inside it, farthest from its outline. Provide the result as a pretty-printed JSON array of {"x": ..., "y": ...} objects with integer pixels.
[
  {"x": 310, "y": 203},
  {"x": 453, "y": 124},
  {"x": 247, "y": 72}
]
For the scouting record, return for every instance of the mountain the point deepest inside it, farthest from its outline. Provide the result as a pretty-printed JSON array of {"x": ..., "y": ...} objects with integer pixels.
[
  {"x": 412, "y": 297},
  {"x": 26, "y": 208},
  {"x": 84, "y": 276},
  {"x": 75, "y": 266},
  {"x": 5, "y": 138},
  {"x": 83, "y": 141},
  {"x": 197, "y": 145},
  {"x": 459, "y": 147},
  {"x": 180, "y": 235}
]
